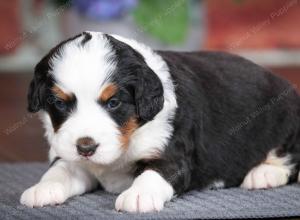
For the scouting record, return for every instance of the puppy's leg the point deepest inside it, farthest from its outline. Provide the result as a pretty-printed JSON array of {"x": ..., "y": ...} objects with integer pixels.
[
  {"x": 148, "y": 192},
  {"x": 274, "y": 171},
  {"x": 62, "y": 181}
]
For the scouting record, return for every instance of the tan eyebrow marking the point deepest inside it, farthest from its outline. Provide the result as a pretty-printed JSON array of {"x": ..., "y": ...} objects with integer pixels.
[
  {"x": 61, "y": 94},
  {"x": 108, "y": 92}
]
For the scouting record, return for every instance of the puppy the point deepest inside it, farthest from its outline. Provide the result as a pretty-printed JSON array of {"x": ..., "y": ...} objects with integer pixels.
[{"x": 153, "y": 124}]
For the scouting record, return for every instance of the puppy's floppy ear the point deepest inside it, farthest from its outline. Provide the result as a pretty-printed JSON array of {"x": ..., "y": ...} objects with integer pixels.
[
  {"x": 149, "y": 92},
  {"x": 36, "y": 91},
  {"x": 148, "y": 89}
]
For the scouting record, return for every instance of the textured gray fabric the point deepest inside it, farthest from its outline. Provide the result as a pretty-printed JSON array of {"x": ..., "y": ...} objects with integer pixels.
[{"x": 210, "y": 204}]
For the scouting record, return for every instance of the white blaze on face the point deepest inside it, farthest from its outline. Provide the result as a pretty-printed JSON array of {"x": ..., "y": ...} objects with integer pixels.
[{"x": 83, "y": 71}]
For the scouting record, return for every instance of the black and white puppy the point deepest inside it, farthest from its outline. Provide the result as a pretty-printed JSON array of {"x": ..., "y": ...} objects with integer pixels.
[{"x": 154, "y": 124}]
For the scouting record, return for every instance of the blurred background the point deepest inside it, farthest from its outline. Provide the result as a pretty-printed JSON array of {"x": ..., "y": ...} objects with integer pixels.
[{"x": 266, "y": 32}]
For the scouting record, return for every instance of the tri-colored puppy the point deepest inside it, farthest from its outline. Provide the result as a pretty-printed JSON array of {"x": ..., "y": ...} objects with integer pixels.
[{"x": 153, "y": 124}]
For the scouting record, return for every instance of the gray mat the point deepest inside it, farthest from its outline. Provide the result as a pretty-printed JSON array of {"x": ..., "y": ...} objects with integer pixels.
[{"x": 210, "y": 204}]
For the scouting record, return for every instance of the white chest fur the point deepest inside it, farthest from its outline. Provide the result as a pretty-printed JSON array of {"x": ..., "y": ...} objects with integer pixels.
[{"x": 112, "y": 180}]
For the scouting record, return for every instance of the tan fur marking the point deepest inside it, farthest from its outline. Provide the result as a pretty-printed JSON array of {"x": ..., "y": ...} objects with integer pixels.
[
  {"x": 127, "y": 130},
  {"x": 61, "y": 94},
  {"x": 108, "y": 92},
  {"x": 273, "y": 159}
]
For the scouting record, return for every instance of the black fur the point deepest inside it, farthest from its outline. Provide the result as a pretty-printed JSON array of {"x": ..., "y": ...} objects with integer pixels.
[
  {"x": 54, "y": 161},
  {"x": 87, "y": 36},
  {"x": 58, "y": 109},
  {"x": 231, "y": 114}
]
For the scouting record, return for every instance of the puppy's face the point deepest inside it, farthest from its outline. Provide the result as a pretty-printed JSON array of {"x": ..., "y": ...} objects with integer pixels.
[{"x": 95, "y": 92}]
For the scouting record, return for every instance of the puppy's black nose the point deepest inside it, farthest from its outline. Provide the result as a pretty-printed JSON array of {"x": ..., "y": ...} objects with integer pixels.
[{"x": 86, "y": 146}]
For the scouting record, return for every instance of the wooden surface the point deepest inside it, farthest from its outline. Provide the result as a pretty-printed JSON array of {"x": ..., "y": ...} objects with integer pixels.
[
  {"x": 21, "y": 137},
  {"x": 10, "y": 26}
]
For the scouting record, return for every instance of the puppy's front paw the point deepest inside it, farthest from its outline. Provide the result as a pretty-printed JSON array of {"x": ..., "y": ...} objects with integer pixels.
[
  {"x": 149, "y": 192},
  {"x": 44, "y": 193},
  {"x": 135, "y": 199}
]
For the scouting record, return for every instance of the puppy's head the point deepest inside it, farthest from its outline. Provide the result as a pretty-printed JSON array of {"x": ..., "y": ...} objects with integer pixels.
[{"x": 94, "y": 92}]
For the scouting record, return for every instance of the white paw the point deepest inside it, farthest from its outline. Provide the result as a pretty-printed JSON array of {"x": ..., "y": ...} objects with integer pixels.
[
  {"x": 266, "y": 176},
  {"x": 44, "y": 193},
  {"x": 138, "y": 200}
]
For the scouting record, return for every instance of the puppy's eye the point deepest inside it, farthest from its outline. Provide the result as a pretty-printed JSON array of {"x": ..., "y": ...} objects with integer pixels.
[
  {"x": 113, "y": 103},
  {"x": 60, "y": 105}
]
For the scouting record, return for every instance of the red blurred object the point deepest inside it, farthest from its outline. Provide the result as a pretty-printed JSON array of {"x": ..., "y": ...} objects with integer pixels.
[
  {"x": 253, "y": 24},
  {"x": 10, "y": 26},
  {"x": 38, "y": 7}
]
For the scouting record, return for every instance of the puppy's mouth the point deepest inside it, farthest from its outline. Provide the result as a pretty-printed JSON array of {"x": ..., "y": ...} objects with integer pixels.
[
  {"x": 85, "y": 157},
  {"x": 86, "y": 154}
]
